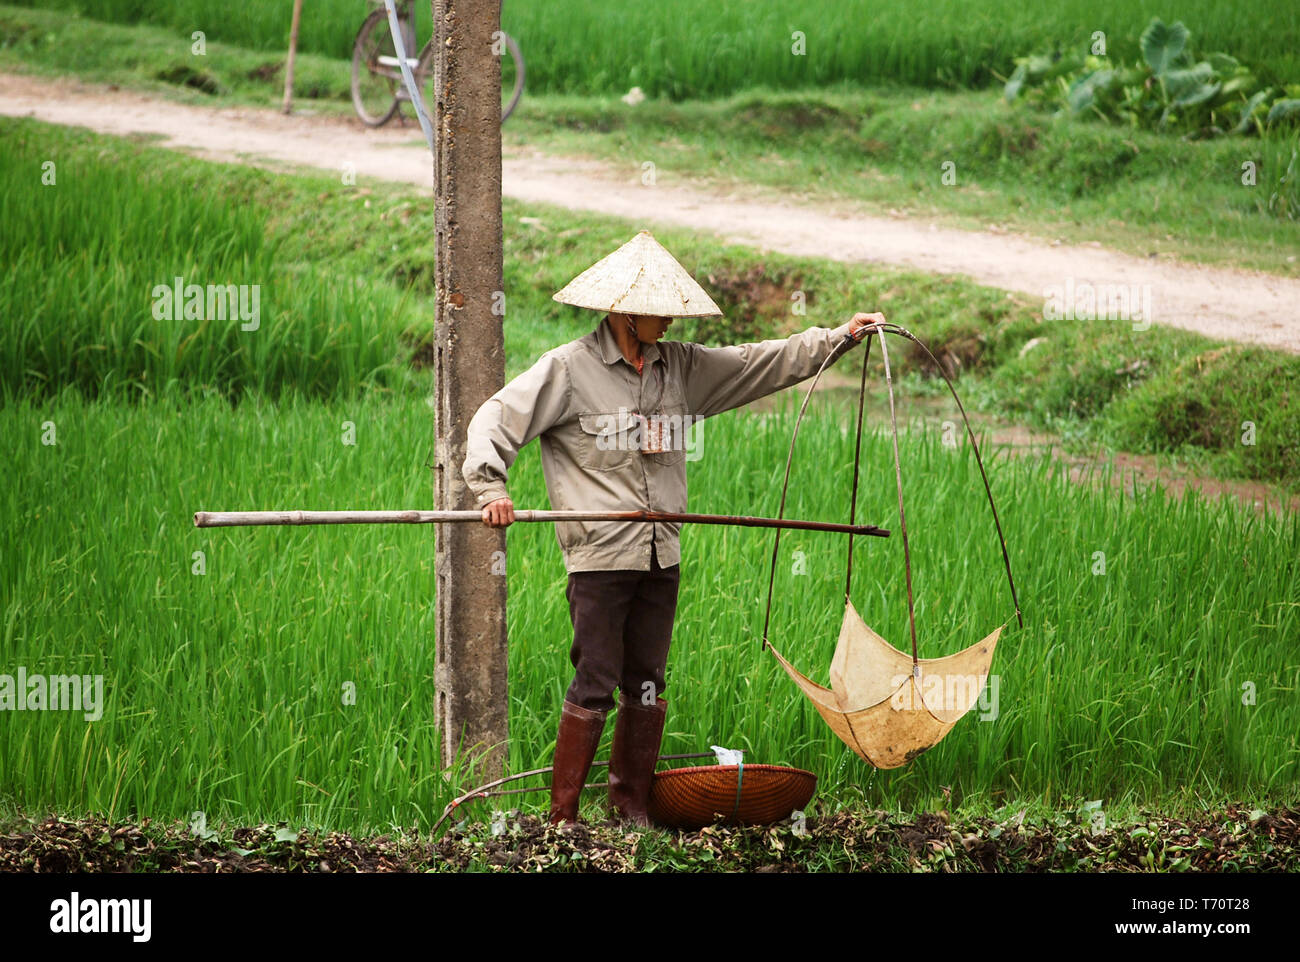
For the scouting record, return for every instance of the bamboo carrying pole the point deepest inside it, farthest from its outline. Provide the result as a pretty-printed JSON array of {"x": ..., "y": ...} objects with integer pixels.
[{"x": 228, "y": 519}]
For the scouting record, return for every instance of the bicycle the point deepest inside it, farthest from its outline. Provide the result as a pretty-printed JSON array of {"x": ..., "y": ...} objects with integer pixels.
[{"x": 377, "y": 88}]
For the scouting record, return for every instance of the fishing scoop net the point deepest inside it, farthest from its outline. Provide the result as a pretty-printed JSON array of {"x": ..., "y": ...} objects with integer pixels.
[{"x": 887, "y": 706}]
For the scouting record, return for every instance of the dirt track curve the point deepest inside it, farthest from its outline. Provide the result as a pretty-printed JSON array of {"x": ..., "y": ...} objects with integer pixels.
[{"x": 1221, "y": 303}]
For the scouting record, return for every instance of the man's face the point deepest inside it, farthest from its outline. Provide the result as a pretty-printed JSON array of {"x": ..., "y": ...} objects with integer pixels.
[{"x": 649, "y": 330}]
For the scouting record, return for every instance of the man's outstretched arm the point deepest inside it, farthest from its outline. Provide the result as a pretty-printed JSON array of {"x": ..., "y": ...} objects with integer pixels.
[{"x": 721, "y": 378}]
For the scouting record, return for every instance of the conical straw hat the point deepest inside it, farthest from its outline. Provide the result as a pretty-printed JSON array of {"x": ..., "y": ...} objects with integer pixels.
[{"x": 641, "y": 277}]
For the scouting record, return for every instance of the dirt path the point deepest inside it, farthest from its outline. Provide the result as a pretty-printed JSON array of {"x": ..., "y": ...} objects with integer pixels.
[{"x": 1221, "y": 303}]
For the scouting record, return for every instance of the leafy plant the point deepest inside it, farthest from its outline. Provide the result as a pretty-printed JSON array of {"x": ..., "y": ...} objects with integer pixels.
[{"x": 1170, "y": 89}]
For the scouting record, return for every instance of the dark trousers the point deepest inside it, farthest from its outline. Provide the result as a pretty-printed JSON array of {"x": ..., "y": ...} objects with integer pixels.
[{"x": 622, "y": 627}]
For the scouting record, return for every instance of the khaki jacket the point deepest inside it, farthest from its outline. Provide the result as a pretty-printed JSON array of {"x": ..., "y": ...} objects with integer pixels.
[{"x": 581, "y": 398}]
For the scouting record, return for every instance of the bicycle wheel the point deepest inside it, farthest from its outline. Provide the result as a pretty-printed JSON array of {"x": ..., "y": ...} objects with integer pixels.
[
  {"x": 375, "y": 84},
  {"x": 512, "y": 78}
]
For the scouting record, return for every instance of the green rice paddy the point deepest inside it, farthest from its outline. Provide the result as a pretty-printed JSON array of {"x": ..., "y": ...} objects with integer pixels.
[
  {"x": 695, "y": 48},
  {"x": 225, "y": 690}
]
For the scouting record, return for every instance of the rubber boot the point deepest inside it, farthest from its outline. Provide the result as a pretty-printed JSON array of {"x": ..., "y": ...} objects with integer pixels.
[
  {"x": 637, "y": 735},
  {"x": 575, "y": 747}
]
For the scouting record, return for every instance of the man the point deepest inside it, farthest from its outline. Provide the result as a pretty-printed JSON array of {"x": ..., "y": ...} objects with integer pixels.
[{"x": 611, "y": 410}]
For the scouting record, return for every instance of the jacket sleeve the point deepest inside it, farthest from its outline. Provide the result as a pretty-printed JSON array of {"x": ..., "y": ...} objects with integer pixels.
[
  {"x": 721, "y": 378},
  {"x": 525, "y": 408}
]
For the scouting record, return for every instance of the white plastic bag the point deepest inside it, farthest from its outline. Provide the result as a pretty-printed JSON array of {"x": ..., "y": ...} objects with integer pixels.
[{"x": 728, "y": 756}]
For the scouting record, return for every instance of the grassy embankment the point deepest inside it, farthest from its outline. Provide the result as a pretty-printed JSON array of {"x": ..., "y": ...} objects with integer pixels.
[
  {"x": 1153, "y": 391},
  {"x": 224, "y": 689}
]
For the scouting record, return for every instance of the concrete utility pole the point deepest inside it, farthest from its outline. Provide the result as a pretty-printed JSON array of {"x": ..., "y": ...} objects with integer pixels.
[{"x": 470, "y": 368}]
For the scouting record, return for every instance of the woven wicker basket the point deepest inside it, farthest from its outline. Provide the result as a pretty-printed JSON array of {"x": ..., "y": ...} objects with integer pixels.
[{"x": 691, "y": 798}]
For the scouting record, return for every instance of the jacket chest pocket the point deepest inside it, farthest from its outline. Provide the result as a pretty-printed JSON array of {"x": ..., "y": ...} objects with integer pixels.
[
  {"x": 674, "y": 433},
  {"x": 672, "y": 436},
  {"x": 607, "y": 442}
]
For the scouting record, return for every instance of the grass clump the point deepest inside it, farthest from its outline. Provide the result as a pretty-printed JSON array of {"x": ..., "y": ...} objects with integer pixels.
[{"x": 1241, "y": 402}]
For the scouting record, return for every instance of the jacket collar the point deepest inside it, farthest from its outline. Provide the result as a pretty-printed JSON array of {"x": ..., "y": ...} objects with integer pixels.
[{"x": 610, "y": 351}]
